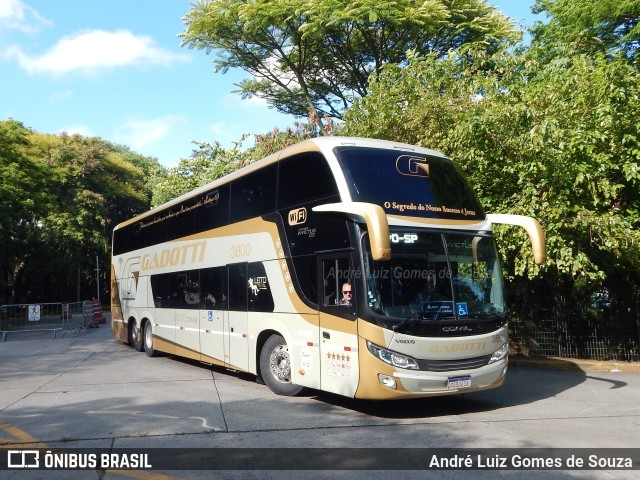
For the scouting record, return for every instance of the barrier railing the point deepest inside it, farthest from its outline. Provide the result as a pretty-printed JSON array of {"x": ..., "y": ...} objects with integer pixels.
[{"x": 54, "y": 317}]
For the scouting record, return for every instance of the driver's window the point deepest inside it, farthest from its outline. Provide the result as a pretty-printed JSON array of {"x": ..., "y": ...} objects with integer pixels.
[{"x": 338, "y": 288}]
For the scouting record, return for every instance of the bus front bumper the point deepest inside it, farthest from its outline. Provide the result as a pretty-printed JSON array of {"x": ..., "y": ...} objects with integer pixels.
[{"x": 416, "y": 384}]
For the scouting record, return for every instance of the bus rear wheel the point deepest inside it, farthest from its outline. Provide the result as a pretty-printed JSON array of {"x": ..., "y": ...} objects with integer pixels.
[
  {"x": 148, "y": 340},
  {"x": 135, "y": 339},
  {"x": 275, "y": 367}
]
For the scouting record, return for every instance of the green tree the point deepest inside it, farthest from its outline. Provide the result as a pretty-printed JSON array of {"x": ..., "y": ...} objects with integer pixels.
[
  {"x": 555, "y": 140},
  {"x": 603, "y": 26},
  {"x": 97, "y": 189},
  {"x": 276, "y": 139},
  {"x": 154, "y": 173},
  {"x": 23, "y": 186},
  {"x": 207, "y": 162},
  {"x": 313, "y": 57},
  {"x": 60, "y": 197}
]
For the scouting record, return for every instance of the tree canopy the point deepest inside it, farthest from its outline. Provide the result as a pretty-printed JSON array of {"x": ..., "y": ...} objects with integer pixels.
[
  {"x": 313, "y": 57},
  {"x": 603, "y": 26},
  {"x": 558, "y": 141},
  {"x": 60, "y": 197}
]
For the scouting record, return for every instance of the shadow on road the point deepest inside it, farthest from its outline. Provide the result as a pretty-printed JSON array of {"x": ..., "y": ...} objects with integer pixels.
[{"x": 523, "y": 385}]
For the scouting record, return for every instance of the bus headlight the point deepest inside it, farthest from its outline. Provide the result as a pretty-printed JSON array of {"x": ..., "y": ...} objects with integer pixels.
[
  {"x": 500, "y": 353},
  {"x": 392, "y": 358}
]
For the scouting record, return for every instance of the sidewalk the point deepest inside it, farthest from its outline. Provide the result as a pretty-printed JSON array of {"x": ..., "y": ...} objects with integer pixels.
[
  {"x": 556, "y": 363},
  {"x": 44, "y": 343}
]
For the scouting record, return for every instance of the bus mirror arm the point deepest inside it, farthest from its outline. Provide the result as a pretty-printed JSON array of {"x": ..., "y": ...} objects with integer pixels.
[
  {"x": 373, "y": 216},
  {"x": 533, "y": 228}
]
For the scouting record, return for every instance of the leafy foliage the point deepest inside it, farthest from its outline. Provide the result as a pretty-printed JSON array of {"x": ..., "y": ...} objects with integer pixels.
[
  {"x": 558, "y": 141},
  {"x": 605, "y": 26},
  {"x": 208, "y": 162},
  {"x": 60, "y": 197},
  {"x": 313, "y": 57}
]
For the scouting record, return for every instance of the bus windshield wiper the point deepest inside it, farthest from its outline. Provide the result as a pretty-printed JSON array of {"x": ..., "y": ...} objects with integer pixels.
[{"x": 413, "y": 318}]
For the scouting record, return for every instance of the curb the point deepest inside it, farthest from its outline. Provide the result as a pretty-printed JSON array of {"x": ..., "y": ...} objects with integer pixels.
[{"x": 556, "y": 363}]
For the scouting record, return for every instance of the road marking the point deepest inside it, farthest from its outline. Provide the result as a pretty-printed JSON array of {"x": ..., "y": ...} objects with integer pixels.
[
  {"x": 22, "y": 437},
  {"x": 18, "y": 435}
]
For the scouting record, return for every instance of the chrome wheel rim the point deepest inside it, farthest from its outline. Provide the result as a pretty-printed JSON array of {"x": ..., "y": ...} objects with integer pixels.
[
  {"x": 148, "y": 337},
  {"x": 280, "y": 364}
]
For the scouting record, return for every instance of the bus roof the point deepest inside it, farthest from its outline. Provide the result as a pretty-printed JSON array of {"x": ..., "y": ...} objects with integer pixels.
[{"x": 319, "y": 144}]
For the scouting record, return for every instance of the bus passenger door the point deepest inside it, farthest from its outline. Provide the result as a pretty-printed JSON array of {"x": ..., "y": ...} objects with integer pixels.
[
  {"x": 212, "y": 307},
  {"x": 236, "y": 323},
  {"x": 339, "y": 370},
  {"x": 186, "y": 303}
]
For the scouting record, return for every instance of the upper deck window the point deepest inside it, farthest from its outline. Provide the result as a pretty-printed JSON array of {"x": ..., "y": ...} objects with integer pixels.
[{"x": 303, "y": 179}]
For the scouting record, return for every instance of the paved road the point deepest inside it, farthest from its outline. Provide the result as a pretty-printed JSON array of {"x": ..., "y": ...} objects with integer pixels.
[{"x": 91, "y": 391}]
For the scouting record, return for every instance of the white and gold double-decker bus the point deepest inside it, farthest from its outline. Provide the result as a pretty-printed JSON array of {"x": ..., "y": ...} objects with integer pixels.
[{"x": 361, "y": 267}]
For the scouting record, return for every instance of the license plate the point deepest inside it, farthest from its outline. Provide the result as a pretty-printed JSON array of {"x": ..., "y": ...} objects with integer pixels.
[{"x": 456, "y": 383}]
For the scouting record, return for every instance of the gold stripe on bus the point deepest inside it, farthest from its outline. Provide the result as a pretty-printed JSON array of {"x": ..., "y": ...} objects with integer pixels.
[
  {"x": 369, "y": 386},
  {"x": 173, "y": 348},
  {"x": 162, "y": 345},
  {"x": 371, "y": 332},
  {"x": 187, "y": 352},
  {"x": 339, "y": 324},
  {"x": 119, "y": 331},
  {"x": 302, "y": 147},
  {"x": 213, "y": 361},
  {"x": 253, "y": 226},
  {"x": 116, "y": 307}
]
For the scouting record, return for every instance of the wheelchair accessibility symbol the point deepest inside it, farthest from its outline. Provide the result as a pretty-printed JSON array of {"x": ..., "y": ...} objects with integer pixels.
[
  {"x": 210, "y": 318},
  {"x": 462, "y": 309}
]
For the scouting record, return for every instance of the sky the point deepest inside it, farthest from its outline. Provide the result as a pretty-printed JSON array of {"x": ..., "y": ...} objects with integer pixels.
[{"x": 115, "y": 69}]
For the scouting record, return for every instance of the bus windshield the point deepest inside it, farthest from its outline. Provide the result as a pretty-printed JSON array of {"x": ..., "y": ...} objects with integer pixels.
[
  {"x": 408, "y": 184},
  {"x": 436, "y": 276}
]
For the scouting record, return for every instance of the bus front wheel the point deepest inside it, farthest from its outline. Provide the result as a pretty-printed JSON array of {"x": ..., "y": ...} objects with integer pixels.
[{"x": 275, "y": 366}]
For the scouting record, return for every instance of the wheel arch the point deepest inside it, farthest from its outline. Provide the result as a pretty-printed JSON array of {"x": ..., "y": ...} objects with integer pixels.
[{"x": 260, "y": 341}]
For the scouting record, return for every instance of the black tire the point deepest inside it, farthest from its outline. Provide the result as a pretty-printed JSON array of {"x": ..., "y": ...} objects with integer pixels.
[
  {"x": 135, "y": 336},
  {"x": 147, "y": 339},
  {"x": 275, "y": 367}
]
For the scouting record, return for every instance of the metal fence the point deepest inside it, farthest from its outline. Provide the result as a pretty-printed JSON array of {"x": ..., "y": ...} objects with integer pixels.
[
  {"x": 555, "y": 325},
  {"x": 54, "y": 318}
]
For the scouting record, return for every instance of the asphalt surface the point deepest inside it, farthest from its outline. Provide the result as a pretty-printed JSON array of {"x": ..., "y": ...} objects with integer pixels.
[{"x": 87, "y": 390}]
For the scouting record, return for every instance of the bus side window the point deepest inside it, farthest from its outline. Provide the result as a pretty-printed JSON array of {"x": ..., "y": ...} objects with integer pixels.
[
  {"x": 185, "y": 290},
  {"x": 212, "y": 288}
]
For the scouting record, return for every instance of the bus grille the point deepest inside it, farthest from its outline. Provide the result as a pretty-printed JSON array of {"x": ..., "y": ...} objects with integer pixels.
[{"x": 446, "y": 365}]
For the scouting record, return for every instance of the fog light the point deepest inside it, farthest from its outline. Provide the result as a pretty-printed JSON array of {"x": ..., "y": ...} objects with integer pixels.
[{"x": 387, "y": 381}]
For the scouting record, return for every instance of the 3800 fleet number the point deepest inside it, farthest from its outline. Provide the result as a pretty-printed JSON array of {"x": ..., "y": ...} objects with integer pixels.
[{"x": 240, "y": 250}]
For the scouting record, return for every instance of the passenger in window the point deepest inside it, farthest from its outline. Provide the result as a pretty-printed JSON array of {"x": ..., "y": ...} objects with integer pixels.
[
  {"x": 209, "y": 301},
  {"x": 191, "y": 296},
  {"x": 346, "y": 295}
]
